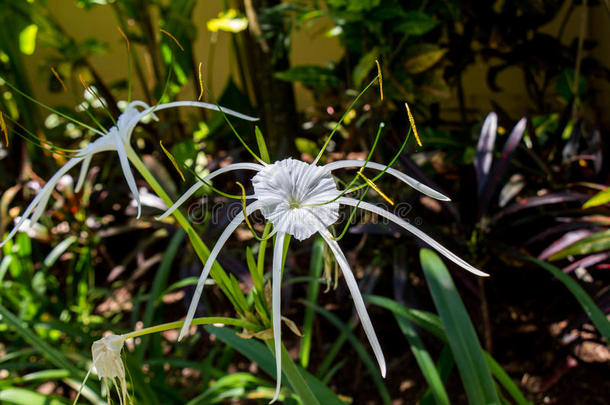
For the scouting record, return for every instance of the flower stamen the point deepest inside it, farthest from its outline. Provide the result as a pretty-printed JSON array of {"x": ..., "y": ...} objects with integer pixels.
[
  {"x": 171, "y": 159},
  {"x": 3, "y": 125},
  {"x": 125, "y": 37},
  {"x": 200, "y": 83},
  {"x": 58, "y": 78},
  {"x": 380, "y": 79},
  {"x": 412, "y": 122},
  {"x": 174, "y": 38},
  {"x": 374, "y": 187}
]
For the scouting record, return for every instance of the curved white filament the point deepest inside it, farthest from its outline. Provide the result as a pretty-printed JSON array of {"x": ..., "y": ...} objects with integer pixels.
[
  {"x": 235, "y": 222},
  {"x": 199, "y": 104},
  {"x": 415, "y": 231},
  {"x": 40, "y": 201},
  {"x": 417, "y": 185},
  {"x": 352, "y": 285},
  {"x": 276, "y": 310},
  {"x": 199, "y": 184}
]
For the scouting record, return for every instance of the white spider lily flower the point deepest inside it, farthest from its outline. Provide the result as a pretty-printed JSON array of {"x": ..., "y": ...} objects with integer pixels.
[
  {"x": 108, "y": 365},
  {"x": 301, "y": 199},
  {"x": 118, "y": 139}
]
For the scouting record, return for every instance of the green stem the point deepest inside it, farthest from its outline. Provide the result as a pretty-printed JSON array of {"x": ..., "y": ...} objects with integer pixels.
[
  {"x": 196, "y": 321},
  {"x": 217, "y": 272},
  {"x": 295, "y": 378}
]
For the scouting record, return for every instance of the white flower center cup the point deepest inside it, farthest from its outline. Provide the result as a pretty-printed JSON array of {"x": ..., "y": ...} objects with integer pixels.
[
  {"x": 106, "y": 354},
  {"x": 296, "y": 197}
]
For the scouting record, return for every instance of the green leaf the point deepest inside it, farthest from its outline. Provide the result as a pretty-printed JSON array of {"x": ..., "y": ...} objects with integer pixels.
[
  {"x": 44, "y": 348},
  {"x": 364, "y": 66},
  {"x": 362, "y": 352},
  {"x": 426, "y": 320},
  {"x": 156, "y": 292},
  {"x": 313, "y": 287},
  {"x": 416, "y": 23},
  {"x": 422, "y": 57},
  {"x": 565, "y": 84},
  {"x": 27, "y": 39},
  {"x": 593, "y": 312},
  {"x": 58, "y": 251},
  {"x": 306, "y": 146},
  {"x": 47, "y": 375},
  {"x": 21, "y": 396},
  {"x": 601, "y": 198},
  {"x": 444, "y": 365},
  {"x": 424, "y": 360},
  {"x": 432, "y": 324},
  {"x": 315, "y": 77},
  {"x": 257, "y": 280},
  {"x": 597, "y": 242},
  {"x": 262, "y": 146},
  {"x": 462, "y": 338},
  {"x": 505, "y": 381},
  {"x": 257, "y": 352}
]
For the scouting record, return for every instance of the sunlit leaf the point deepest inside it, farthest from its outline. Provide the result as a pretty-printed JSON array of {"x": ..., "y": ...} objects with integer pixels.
[
  {"x": 22, "y": 396},
  {"x": 601, "y": 198},
  {"x": 228, "y": 21},
  {"x": 27, "y": 39},
  {"x": 597, "y": 242},
  {"x": 423, "y": 57}
]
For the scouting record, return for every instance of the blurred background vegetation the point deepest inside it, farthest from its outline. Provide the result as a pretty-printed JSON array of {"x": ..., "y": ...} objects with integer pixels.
[{"x": 536, "y": 219}]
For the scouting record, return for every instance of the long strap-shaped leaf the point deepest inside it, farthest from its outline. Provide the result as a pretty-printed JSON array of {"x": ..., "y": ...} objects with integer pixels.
[
  {"x": 463, "y": 340},
  {"x": 432, "y": 324},
  {"x": 500, "y": 168},
  {"x": 593, "y": 312}
]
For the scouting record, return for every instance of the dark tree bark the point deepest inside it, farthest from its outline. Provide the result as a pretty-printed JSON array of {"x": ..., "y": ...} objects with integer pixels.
[{"x": 275, "y": 98}]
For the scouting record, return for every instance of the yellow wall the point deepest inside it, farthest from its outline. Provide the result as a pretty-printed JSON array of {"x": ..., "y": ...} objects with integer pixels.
[{"x": 309, "y": 48}]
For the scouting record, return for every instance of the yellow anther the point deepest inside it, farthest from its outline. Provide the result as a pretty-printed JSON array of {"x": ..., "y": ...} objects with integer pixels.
[
  {"x": 174, "y": 38},
  {"x": 380, "y": 79},
  {"x": 374, "y": 187},
  {"x": 412, "y": 121},
  {"x": 200, "y": 83},
  {"x": 3, "y": 125},
  {"x": 86, "y": 86},
  {"x": 124, "y": 36},
  {"x": 58, "y": 78},
  {"x": 171, "y": 158}
]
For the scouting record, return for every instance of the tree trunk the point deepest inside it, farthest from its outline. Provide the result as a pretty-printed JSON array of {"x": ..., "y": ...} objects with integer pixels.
[{"x": 266, "y": 54}]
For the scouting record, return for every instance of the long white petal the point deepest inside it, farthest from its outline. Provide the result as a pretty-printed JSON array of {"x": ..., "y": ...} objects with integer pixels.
[
  {"x": 199, "y": 184},
  {"x": 199, "y": 104},
  {"x": 83, "y": 173},
  {"x": 352, "y": 285},
  {"x": 235, "y": 222},
  {"x": 276, "y": 310},
  {"x": 46, "y": 194},
  {"x": 415, "y": 231},
  {"x": 131, "y": 181},
  {"x": 40, "y": 201},
  {"x": 417, "y": 185}
]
